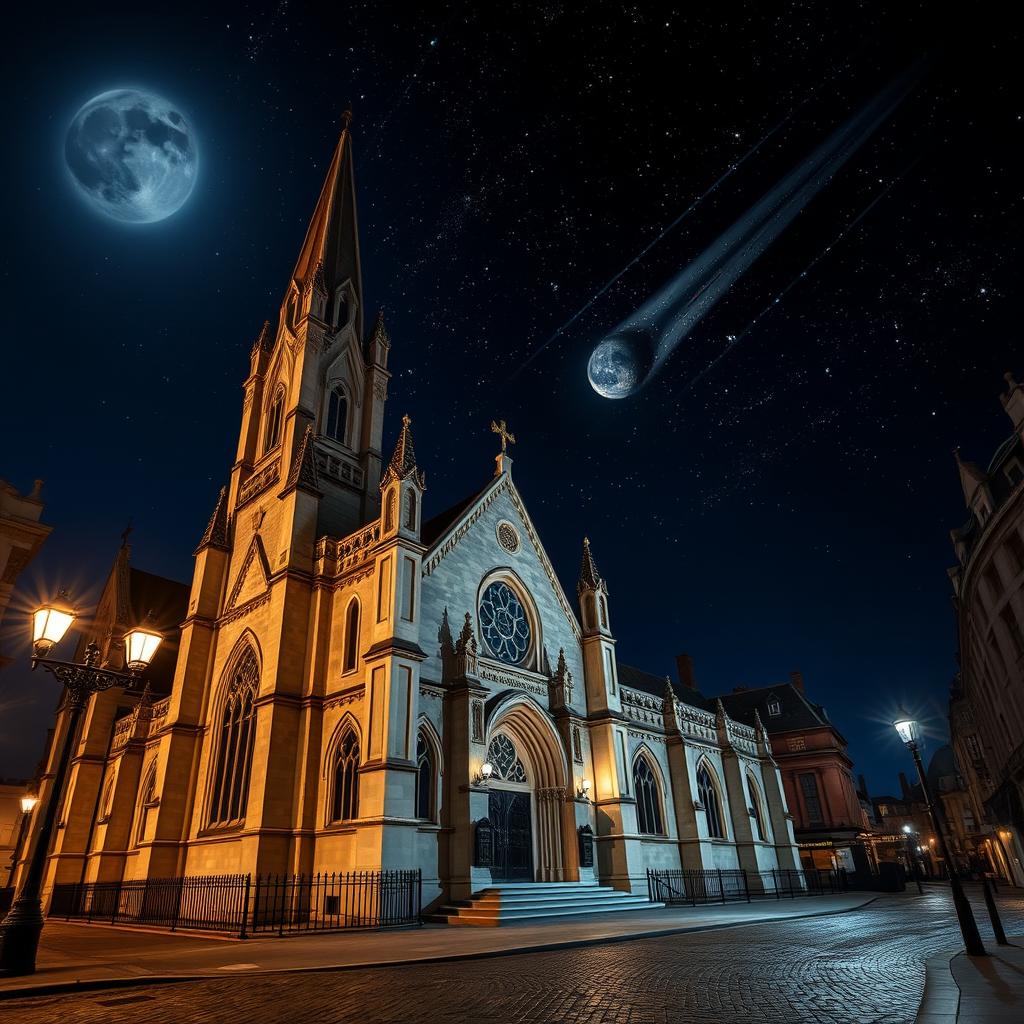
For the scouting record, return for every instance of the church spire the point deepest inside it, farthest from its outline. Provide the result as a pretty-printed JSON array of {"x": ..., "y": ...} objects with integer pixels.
[
  {"x": 971, "y": 477},
  {"x": 403, "y": 461},
  {"x": 330, "y": 252},
  {"x": 590, "y": 578}
]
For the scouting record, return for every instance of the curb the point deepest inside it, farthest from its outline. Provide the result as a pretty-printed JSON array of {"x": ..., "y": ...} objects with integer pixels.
[
  {"x": 940, "y": 1001},
  {"x": 91, "y": 985}
]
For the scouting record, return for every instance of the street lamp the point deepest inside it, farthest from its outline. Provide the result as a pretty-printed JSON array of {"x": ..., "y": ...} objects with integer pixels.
[
  {"x": 28, "y": 802},
  {"x": 21, "y": 928},
  {"x": 910, "y": 732},
  {"x": 908, "y": 831}
]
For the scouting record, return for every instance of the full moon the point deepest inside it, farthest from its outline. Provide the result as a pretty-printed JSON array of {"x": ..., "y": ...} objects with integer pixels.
[
  {"x": 132, "y": 156},
  {"x": 618, "y": 366}
]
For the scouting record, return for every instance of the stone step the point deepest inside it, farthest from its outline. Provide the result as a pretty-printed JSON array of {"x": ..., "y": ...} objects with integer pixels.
[
  {"x": 509, "y": 900},
  {"x": 494, "y": 919}
]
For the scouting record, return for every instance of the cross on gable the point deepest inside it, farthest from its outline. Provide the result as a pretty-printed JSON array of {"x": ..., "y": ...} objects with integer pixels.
[{"x": 507, "y": 437}]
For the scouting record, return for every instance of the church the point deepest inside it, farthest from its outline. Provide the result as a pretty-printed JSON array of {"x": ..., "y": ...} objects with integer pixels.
[{"x": 354, "y": 682}]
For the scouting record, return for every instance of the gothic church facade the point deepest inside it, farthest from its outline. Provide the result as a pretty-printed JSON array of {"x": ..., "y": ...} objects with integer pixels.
[{"x": 358, "y": 686}]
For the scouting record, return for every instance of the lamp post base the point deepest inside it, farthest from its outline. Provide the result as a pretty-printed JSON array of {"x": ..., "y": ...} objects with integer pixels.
[{"x": 19, "y": 937}]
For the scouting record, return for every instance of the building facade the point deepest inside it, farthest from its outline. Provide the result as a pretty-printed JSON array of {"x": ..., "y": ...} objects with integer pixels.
[
  {"x": 987, "y": 699},
  {"x": 360, "y": 686},
  {"x": 21, "y": 536},
  {"x": 817, "y": 773}
]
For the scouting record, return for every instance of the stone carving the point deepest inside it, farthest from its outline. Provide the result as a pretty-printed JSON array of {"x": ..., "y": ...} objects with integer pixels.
[
  {"x": 560, "y": 685},
  {"x": 477, "y": 716},
  {"x": 259, "y": 482}
]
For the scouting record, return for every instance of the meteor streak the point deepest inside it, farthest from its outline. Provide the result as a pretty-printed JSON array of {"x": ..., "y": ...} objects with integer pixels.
[{"x": 628, "y": 357}]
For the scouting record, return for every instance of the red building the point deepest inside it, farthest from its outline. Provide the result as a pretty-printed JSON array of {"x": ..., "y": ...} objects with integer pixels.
[{"x": 817, "y": 772}]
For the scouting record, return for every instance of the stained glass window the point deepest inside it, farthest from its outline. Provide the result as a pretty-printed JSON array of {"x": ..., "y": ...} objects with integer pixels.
[
  {"x": 503, "y": 621},
  {"x": 504, "y": 760}
]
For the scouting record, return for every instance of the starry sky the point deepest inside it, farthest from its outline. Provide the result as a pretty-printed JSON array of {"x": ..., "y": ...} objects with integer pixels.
[{"x": 787, "y": 509}]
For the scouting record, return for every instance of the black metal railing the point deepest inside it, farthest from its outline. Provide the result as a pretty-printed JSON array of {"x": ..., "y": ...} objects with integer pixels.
[
  {"x": 248, "y": 904},
  {"x": 735, "y": 885},
  {"x": 330, "y": 901}
]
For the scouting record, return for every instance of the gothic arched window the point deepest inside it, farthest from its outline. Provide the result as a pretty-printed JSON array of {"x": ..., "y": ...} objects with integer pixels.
[
  {"x": 350, "y": 652},
  {"x": 147, "y": 802},
  {"x": 504, "y": 760},
  {"x": 757, "y": 806},
  {"x": 389, "y": 512},
  {"x": 345, "y": 795},
  {"x": 235, "y": 742},
  {"x": 707, "y": 794},
  {"x": 648, "y": 798},
  {"x": 337, "y": 414},
  {"x": 275, "y": 415},
  {"x": 604, "y": 613},
  {"x": 426, "y": 779},
  {"x": 410, "y": 510}
]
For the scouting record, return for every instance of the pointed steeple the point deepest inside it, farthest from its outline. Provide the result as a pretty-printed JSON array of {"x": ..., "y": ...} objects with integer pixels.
[
  {"x": 216, "y": 533},
  {"x": 403, "y": 461},
  {"x": 303, "y": 471},
  {"x": 971, "y": 477},
  {"x": 590, "y": 578},
  {"x": 264, "y": 340},
  {"x": 330, "y": 252}
]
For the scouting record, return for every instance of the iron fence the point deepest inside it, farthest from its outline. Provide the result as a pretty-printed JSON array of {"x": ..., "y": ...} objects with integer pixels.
[
  {"x": 736, "y": 885},
  {"x": 247, "y": 904}
]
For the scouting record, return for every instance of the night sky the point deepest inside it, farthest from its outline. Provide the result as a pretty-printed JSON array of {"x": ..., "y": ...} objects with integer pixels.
[{"x": 788, "y": 510}]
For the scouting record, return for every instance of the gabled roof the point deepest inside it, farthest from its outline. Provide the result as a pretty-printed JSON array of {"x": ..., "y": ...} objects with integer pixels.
[
  {"x": 796, "y": 711},
  {"x": 636, "y": 679},
  {"x": 434, "y": 529}
]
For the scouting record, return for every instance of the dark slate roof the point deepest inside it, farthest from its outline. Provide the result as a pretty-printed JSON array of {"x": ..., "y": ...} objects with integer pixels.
[
  {"x": 434, "y": 529},
  {"x": 168, "y": 601},
  {"x": 637, "y": 679},
  {"x": 999, "y": 485},
  {"x": 797, "y": 712}
]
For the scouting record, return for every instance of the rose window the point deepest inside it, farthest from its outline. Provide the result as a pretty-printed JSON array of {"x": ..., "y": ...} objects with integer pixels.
[{"x": 503, "y": 622}]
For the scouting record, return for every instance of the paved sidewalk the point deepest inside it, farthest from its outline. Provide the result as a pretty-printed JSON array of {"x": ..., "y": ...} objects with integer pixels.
[
  {"x": 74, "y": 956},
  {"x": 991, "y": 987}
]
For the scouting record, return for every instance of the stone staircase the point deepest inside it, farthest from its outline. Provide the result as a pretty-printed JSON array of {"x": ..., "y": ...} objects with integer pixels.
[{"x": 536, "y": 901}]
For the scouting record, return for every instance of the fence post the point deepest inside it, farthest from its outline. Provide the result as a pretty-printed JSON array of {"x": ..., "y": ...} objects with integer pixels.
[
  {"x": 245, "y": 903},
  {"x": 746, "y": 885},
  {"x": 775, "y": 880}
]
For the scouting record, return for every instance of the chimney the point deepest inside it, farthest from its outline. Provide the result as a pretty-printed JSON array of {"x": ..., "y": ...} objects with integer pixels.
[
  {"x": 797, "y": 679},
  {"x": 684, "y": 666},
  {"x": 905, "y": 787}
]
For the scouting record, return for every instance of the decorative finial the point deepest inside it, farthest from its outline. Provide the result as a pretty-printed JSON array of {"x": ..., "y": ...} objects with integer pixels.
[
  {"x": 346, "y": 118},
  {"x": 507, "y": 437},
  {"x": 125, "y": 533},
  {"x": 406, "y": 421}
]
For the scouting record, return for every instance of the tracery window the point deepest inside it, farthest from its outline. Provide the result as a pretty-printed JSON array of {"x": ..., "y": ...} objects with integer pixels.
[
  {"x": 757, "y": 806},
  {"x": 274, "y": 417},
  {"x": 337, "y": 413},
  {"x": 505, "y": 760},
  {"x": 235, "y": 743},
  {"x": 426, "y": 779},
  {"x": 350, "y": 651},
  {"x": 648, "y": 799},
  {"x": 345, "y": 795},
  {"x": 504, "y": 624},
  {"x": 147, "y": 802},
  {"x": 707, "y": 794}
]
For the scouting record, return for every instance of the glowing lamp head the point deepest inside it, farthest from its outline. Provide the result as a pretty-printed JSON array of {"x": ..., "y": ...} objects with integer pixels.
[
  {"x": 140, "y": 646},
  {"x": 908, "y": 729},
  {"x": 28, "y": 803},
  {"x": 907, "y": 829},
  {"x": 486, "y": 770},
  {"x": 586, "y": 787},
  {"x": 49, "y": 624}
]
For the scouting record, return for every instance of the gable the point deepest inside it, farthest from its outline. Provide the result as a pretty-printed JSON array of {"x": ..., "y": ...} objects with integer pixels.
[
  {"x": 499, "y": 502},
  {"x": 253, "y": 578}
]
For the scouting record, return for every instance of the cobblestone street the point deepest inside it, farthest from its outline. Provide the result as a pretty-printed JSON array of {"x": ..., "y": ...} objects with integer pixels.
[{"x": 863, "y": 966}]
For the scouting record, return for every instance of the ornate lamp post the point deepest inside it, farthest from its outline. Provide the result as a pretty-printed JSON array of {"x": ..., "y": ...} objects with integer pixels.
[
  {"x": 28, "y": 803},
  {"x": 908, "y": 831},
  {"x": 21, "y": 928},
  {"x": 910, "y": 732}
]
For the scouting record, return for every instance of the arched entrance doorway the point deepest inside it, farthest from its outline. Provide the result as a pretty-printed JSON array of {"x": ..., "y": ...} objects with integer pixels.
[{"x": 526, "y": 803}]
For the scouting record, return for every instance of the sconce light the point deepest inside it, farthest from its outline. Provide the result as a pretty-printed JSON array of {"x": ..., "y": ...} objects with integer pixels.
[
  {"x": 483, "y": 776},
  {"x": 583, "y": 790}
]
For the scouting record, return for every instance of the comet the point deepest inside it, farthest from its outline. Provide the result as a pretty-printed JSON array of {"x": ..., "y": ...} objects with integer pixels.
[{"x": 633, "y": 353}]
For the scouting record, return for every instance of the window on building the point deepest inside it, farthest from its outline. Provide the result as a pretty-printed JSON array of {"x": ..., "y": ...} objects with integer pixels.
[
  {"x": 992, "y": 581},
  {"x": 426, "y": 779},
  {"x": 410, "y": 510},
  {"x": 350, "y": 652},
  {"x": 604, "y": 612},
  {"x": 345, "y": 796},
  {"x": 1015, "y": 549},
  {"x": 389, "y": 512},
  {"x": 774, "y": 706},
  {"x": 147, "y": 801},
  {"x": 812, "y": 799},
  {"x": 707, "y": 794},
  {"x": 757, "y": 806},
  {"x": 648, "y": 799},
  {"x": 337, "y": 414},
  {"x": 235, "y": 743},
  {"x": 275, "y": 415},
  {"x": 1012, "y": 628}
]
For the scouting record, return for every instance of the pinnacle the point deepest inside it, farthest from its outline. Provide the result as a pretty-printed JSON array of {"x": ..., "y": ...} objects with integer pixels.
[
  {"x": 590, "y": 578},
  {"x": 403, "y": 461}
]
